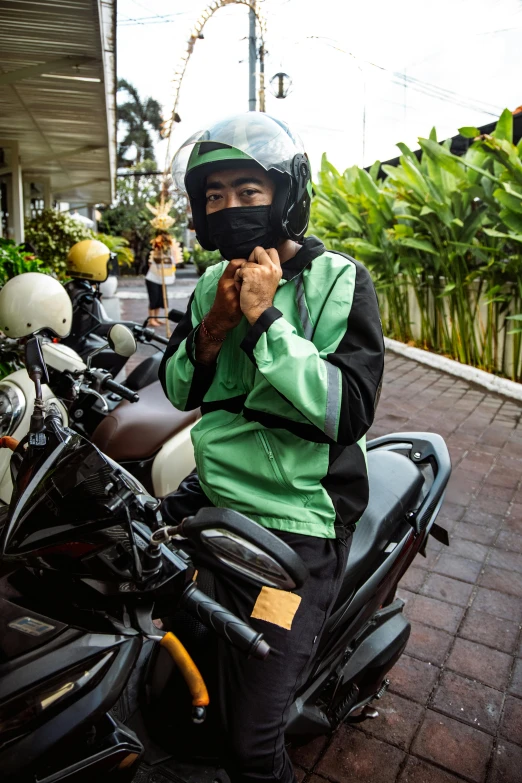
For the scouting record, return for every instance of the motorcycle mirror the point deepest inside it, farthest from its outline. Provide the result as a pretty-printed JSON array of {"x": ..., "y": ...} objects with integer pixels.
[
  {"x": 121, "y": 340},
  {"x": 245, "y": 546},
  {"x": 35, "y": 362}
]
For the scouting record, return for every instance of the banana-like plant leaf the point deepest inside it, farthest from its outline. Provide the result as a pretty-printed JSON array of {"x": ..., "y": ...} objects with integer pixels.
[
  {"x": 469, "y": 132},
  {"x": 443, "y": 157},
  {"x": 407, "y": 152},
  {"x": 374, "y": 170},
  {"x": 504, "y": 128},
  {"x": 418, "y": 244},
  {"x": 491, "y": 232},
  {"x": 508, "y": 200},
  {"x": 512, "y": 220}
]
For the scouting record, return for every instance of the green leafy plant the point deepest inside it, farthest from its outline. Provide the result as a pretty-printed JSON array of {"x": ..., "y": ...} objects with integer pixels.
[
  {"x": 204, "y": 258},
  {"x": 14, "y": 260},
  {"x": 443, "y": 239},
  {"x": 53, "y": 234},
  {"x": 120, "y": 246}
]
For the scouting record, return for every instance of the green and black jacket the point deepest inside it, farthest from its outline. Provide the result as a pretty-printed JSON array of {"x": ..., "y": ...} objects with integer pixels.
[{"x": 286, "y": 407}]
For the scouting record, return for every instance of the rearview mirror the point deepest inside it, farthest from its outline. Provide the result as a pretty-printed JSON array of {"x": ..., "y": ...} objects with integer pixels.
[
  {"x": 35, "y": 362},
  {"x": 246, "y": 546},
  {"x": 121, "y": 340}
]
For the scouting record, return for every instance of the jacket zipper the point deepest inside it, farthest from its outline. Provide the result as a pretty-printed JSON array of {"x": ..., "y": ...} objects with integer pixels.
[{"x": 273, "y": 461}]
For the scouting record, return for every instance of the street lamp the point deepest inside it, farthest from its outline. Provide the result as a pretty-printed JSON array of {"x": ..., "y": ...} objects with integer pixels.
[{"x": 280, "y": 85}]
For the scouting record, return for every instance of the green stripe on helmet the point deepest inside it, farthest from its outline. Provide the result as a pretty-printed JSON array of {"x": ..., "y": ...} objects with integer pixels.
[{"x": 223, "y": 153}]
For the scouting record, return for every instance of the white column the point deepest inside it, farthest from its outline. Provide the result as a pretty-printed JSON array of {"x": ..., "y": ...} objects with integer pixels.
[
  {"x": 48, "y": 197},
  {"x": 17, "y": 191}
]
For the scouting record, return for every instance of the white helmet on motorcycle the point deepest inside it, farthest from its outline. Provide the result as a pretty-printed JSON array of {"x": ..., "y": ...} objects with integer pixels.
[{"x": 33, "y": 301}]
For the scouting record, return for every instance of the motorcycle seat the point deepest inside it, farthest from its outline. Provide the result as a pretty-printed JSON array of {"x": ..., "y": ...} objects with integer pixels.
[
  {"x": 135, "y": 431},
  {"x": 395, "y": 488}
]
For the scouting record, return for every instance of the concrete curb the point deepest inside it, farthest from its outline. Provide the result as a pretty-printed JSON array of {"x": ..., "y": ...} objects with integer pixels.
[{"x": 488, "y": 381}]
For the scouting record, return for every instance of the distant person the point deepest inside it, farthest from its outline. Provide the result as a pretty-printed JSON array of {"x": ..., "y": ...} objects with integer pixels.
[{"x": 164, "y": 256}]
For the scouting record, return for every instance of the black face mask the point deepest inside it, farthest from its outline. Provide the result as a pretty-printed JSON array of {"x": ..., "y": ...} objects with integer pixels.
[{"x": 236, "y": 231}]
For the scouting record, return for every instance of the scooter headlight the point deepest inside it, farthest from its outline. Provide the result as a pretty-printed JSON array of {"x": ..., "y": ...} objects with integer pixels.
[
  {"x": 12, "y": 407},
  {"x": 26, "y": 712}
]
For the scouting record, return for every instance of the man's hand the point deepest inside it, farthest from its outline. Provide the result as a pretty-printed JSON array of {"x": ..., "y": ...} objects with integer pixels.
[
  {"x": 258, "y": 279},
  {"x": 225, "y": 314}
]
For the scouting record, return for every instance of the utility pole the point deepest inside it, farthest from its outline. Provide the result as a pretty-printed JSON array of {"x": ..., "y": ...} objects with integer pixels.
[{"x": 252, "y": 60}]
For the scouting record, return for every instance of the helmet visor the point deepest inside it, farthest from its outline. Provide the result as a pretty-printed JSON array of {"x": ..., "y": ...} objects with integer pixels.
[{"x": 258, "y": 136}]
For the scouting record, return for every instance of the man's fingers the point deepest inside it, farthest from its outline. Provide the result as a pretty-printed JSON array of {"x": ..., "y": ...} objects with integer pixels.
[
  {"x": 274, "y": 256},
  {"x": 230, "y": 269},
  {"x": 260, "y": 256}
]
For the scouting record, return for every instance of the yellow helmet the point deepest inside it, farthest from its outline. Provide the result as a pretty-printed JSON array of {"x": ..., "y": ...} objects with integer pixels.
[{"x": 89, "y": 260}]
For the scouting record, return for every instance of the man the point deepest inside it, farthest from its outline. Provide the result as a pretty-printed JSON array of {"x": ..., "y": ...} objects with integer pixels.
[{"x": 282, "y": 349}]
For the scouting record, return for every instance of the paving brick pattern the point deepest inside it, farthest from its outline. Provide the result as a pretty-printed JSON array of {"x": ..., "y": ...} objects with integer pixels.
[{"x": 454, "y": 709}]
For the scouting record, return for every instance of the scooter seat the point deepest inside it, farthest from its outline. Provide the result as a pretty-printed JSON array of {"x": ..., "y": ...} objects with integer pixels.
[
  {"x": 395, "y": 487},
  {"x": 135, "y": 431}
]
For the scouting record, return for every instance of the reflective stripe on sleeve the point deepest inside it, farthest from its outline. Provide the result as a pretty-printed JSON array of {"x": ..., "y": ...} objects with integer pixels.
[
  {"x": 333, "y": 396},
  {"x": 303, "y": 309}
]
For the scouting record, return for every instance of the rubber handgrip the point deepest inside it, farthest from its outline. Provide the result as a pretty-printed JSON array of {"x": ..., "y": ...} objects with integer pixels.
[
  {"x": 189, "y": 670},
  {"x": 117, "y": 388},
  {"x": 224, "y": 623}
]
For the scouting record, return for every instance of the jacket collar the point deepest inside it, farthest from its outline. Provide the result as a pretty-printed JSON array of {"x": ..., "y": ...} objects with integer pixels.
[{"x": 310, "y": 249}]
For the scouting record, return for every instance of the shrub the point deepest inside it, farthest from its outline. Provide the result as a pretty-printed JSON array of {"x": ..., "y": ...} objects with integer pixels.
[
  {"x": 14, "y": 260},
  {"x": 53, "y": 234},
  {"x": 120, "y": 246},
  {"x": 204, "y": 258},
  {"x": 445, "y": 230}
]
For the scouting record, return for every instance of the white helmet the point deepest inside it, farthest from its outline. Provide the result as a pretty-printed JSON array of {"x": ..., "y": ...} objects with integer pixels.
[{"x": 33, "y": 301}]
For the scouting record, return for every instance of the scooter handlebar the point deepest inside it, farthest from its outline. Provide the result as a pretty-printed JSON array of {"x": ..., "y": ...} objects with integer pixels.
[
  {"x": 158, "y": 338},
  {"x": 117, "y": 388},
  {"x": 224, "y": 623},
  {"x": 147, "y": 334}
]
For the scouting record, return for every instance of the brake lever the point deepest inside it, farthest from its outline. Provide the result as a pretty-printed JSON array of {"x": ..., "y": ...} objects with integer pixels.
[{"x": 88, "y": 390}]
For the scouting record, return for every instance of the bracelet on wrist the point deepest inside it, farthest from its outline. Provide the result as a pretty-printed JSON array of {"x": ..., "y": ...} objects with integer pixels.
[{"x": 211, "y": 336}]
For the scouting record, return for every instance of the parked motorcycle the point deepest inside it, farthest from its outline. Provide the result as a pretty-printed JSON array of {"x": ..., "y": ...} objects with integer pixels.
[
  {"x": 155, "y": 442},
  {"x": 90, "y": 326},
  {"x": 88, "y": 565}
]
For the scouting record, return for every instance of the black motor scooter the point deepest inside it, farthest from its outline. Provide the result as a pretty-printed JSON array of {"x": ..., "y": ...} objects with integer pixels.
[
  {"x": 91, "y": 324},
  {"x": 87, "y": 565}
]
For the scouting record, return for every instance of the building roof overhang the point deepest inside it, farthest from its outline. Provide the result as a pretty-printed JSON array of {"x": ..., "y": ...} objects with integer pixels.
[{"x": 58, "y": 94}]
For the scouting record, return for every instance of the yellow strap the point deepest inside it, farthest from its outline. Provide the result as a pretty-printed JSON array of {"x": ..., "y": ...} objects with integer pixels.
[{"x": 191, "y": 674}]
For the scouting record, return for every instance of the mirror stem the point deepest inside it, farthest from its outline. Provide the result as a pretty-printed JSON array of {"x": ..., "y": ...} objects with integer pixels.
[
  {"x": 164, "y": 534},
  {"x": 37, "y": 419}
]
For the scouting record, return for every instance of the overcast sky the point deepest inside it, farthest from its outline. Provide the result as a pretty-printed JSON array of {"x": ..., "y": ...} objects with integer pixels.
[{"x": 365, "y": 75}]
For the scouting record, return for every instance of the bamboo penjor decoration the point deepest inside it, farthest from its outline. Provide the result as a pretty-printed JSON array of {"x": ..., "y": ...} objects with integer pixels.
[{"x": 162, "y": 244}]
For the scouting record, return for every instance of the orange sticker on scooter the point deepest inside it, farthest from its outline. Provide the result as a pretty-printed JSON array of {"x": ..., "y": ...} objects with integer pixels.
[{"x": 276, "y": 606}]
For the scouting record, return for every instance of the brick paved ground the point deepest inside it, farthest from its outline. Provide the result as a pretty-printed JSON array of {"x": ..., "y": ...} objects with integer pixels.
[{"x": 454, "y": 710}]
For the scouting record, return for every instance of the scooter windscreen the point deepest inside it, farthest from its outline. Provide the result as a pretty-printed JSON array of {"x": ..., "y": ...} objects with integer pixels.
[{"x": 70, "y": 490}]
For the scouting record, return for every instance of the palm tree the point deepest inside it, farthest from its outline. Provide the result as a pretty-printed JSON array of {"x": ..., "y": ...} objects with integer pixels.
[{"x": 140, "y": 117}]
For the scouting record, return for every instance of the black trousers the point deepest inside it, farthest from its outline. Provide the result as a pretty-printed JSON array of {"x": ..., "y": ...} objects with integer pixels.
[
  {"x": 155, "y": 293},
  {"x": 255, "y": 696}
]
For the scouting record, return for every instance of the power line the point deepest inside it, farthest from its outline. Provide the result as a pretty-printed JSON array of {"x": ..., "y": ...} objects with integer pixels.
[
  {"x": 425, "y": 88},
  {"x": 147, "y": 20}
]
